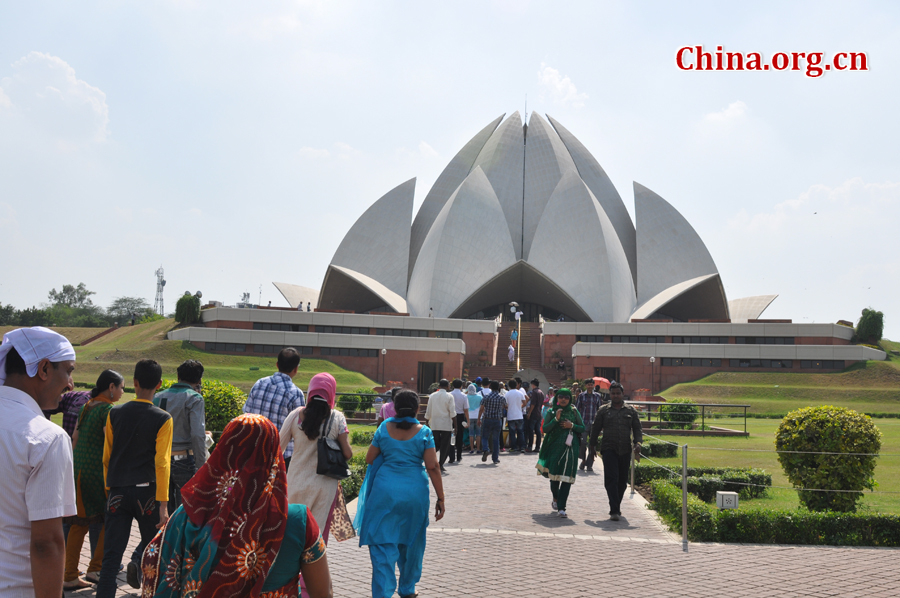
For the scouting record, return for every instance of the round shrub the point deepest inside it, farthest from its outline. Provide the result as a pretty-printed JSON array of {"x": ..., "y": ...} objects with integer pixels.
[
  {"x": 828, "y": 429},
  {"x": 348, "y": 403},
  {"x": 680, "y": 413},
  {"x": 366, "y": 398},
  {"x": 223, "y": 402}
]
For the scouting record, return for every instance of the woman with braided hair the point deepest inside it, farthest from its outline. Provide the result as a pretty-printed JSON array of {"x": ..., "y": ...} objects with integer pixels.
[
  {"x": 558, "y": 459},
  {"x": 235, "y": 534}
]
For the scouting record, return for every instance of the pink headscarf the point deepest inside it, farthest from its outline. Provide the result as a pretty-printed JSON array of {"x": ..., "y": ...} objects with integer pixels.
[{"x": 324, "y": 387}]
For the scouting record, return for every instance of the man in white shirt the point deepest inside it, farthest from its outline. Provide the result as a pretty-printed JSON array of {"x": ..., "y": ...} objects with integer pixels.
[
  {"x": 462, "y": 419},
  {"x": 36, "y": 367},
  {"x": 441, "y": 416},
  {"x": 515, "y": 418}
]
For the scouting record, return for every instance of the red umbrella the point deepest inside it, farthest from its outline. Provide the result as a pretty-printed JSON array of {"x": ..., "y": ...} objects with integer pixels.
[{"x": 601, "y": 382}]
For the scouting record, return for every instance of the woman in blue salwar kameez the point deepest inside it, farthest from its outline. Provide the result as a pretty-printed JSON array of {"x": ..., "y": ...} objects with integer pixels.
[{"x": 393, "y": 505}]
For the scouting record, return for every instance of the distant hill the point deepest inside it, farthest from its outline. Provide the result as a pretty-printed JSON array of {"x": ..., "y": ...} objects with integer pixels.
[{"x": 122, "y": 348}]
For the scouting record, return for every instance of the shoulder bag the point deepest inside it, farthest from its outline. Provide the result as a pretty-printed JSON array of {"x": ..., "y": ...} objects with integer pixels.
[{"x": 331, "y": 461}]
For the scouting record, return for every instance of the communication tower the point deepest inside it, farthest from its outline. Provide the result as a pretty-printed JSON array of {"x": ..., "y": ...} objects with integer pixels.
[{"x": 160, "y": 285}]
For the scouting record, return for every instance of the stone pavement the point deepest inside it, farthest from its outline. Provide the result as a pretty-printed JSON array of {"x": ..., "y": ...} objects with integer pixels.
[{"x": 500, "y": 538}]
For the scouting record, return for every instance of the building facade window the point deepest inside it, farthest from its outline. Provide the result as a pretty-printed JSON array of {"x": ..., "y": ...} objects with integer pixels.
[
  {"x": 761, "y": 363},
  {"x": 349, "y": 352},
  {"x": 341, "y": 330},
  {"x": 590, "y": 338},
  {"x": 637, "y": 339},
  {"x": 402, "y": 332},
  {"x": 691, "y": 362},
  {"x": 819, "y": 364},
  {"x": 280, "y": 327},
  {"x": 764, "y": 340},
  {"x": 231, "y": 347},
  {"x": 278, "y": 348},
  {"x": 447, "y": 334},
  {"x": 702, "y": 340}
]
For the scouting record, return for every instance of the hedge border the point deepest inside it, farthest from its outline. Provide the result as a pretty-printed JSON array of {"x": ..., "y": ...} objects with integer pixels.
[{"x": 772, "y": 526}]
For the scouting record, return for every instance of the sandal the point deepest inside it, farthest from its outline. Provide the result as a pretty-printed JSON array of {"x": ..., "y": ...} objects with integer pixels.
[
  {"x": 76, "y": 584},
  {"x": 92, "y": 576}
]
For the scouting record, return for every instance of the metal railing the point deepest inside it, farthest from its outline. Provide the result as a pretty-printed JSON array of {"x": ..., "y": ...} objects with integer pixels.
[{"x": 675, "y": 422}]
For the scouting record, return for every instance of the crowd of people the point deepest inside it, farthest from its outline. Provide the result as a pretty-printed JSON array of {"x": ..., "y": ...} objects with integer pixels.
[{"x": 253, "y": 516}]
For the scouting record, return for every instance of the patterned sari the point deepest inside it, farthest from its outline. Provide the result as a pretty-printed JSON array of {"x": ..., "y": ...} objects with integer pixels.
[{"x": 223, "y": 540}]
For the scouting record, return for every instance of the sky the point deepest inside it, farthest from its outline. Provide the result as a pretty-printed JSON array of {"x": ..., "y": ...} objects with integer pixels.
[{"x": 235, "y": 143}]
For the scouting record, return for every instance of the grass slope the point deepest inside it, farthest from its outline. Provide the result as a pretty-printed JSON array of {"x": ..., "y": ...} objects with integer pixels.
[
  {"x": 870, "y": 387},
  {"x": 75, "y": 335},
  {"x": 121, "y": 349}
]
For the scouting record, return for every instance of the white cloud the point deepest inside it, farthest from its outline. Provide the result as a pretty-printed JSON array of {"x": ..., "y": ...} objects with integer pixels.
[
  {"x": 44, "y": 91},
  {"x": 560, "y": 89},
  {"x": 427, "y": 151},
  {"x": 829, "y": 212},
  {"x": 345, "y": 150},
  {"x": 313, "y": 153},
  {"x": 735, "y": 110}
]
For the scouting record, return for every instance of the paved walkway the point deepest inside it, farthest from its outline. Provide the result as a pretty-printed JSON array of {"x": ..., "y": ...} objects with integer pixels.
[{"x": 500, "y": 538}]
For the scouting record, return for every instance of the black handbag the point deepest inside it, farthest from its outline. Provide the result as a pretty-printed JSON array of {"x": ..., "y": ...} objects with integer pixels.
[{"x": 331, "y": 458}]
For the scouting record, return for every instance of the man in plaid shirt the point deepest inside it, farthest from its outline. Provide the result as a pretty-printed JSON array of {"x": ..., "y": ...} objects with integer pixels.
[
  {"x": 588, "y": 404},
  {"x": 491, "y": 415},
  {"x": 276, "y": 396}
]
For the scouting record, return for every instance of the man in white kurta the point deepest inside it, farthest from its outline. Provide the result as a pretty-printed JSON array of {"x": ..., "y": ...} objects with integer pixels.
[{"x": 38, "y": 484}]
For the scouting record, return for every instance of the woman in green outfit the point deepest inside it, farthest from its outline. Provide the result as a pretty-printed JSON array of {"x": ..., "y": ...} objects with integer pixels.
[
  {"x": 558, "y": 459},
  {"x": 90, "y": 490}
]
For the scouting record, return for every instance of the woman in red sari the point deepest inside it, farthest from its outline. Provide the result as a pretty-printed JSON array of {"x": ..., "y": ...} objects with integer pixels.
[{"x": 235, "y": 534}]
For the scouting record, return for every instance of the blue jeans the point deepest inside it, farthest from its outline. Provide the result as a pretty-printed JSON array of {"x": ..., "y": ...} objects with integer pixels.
[
  {"x": 533, "y": 433},
  {"x": 182, "y": 470},
  {"x": 516, "y": 434},
  {"x": 490, "y": 437}
]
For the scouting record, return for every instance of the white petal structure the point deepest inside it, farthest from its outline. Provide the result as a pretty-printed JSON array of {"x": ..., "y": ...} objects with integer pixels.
[
  {"x": 749, "y": 308},
  {"x": 595, "y": 178},
  {"x": 455, "y": 259},
  {"x": 670, "y": 253},
  {"x": 450, "y": 179},
  {"x": 591, "y": 264},
  {"x": 526, "y": 214}
]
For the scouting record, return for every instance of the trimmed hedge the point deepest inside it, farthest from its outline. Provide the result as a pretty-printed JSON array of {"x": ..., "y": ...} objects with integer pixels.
[
  {"x": 705, "y": 487},
  {"x": 769, "y": 526},
  {"x": 362, "y": 437},
  {"x": 350, "y": 486},
  {"x": 660, "y": 450},
  {"x": 733, "y": 478}
]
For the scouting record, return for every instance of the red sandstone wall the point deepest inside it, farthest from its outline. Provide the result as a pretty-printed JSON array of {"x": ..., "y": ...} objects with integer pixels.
[
  {"x": 477, "y": 341},
  {"x": 558, "y": 342}
]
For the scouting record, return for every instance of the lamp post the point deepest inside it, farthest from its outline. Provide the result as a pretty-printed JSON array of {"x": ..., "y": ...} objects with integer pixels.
[
  {"x": 383, "y": 353},
  {"x": 652, "y": 361}
]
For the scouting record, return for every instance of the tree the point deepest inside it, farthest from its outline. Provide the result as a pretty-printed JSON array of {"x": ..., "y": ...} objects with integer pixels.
[
  {"x": 870, "y": 327},
  {"x": 9, "y": 315},
  {"x": 187, "y": 309},
  {"x": 71, "y": 296},
  {"x": 122, "y": 308},
  {"x": 817, "y": 433}
]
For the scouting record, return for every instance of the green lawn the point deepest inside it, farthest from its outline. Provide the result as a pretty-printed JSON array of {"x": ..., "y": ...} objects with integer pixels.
[
  {"x": 762, "y": 437},
  {"x": 121, "y": 349}
]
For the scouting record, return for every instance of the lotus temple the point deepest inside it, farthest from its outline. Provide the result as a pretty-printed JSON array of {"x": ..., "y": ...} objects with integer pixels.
[{"x": 524, "y": 219}]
